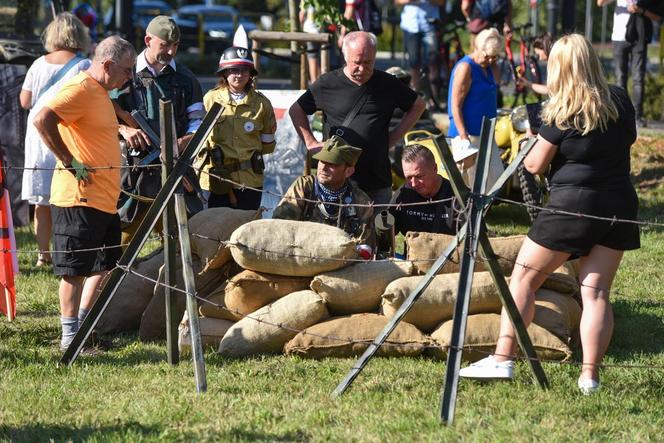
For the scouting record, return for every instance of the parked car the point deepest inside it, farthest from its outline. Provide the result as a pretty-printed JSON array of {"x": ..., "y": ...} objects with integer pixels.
[
  {"x": 219, "y": 24},
  {"x": 144, "y": 12}
]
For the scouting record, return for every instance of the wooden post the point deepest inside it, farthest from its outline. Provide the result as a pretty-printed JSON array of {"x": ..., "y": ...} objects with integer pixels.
[
  {"x": 304, "y": 69},
  {"x": 168, "y": 147},
  {"x": 190, "y": 285},
  {"x": 255, "y": 46}
]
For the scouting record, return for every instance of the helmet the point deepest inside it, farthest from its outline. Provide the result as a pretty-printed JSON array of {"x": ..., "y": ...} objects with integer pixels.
[
  {"x": 234, "y": 57},
  {"x": 399, "y": 73}
]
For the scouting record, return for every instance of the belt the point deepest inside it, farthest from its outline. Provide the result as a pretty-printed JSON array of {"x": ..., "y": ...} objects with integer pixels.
[{"x": 238, "y": 165}]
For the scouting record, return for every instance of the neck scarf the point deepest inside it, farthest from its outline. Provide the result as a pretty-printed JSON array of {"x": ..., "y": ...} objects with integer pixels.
[{"x": 329, "y": 196}]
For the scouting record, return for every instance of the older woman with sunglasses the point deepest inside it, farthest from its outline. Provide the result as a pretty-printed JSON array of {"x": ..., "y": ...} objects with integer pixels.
[{"x": 241, "y": 136}]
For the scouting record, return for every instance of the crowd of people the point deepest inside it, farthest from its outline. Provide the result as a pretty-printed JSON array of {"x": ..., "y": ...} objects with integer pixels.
[{"x": 83, "y": 122}]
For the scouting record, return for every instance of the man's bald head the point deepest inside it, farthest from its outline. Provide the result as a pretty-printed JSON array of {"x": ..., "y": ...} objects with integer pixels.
[{"x": 359, "y": 49}]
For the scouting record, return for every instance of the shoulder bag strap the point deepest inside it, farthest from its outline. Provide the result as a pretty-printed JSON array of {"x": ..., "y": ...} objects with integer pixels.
[
  {"x": 58, "y": 75},
  {"x": 353, "y": 112}
]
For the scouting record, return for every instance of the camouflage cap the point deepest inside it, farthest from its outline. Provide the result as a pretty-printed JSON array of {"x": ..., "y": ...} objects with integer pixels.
[
  {"x": 165, "y": 28},
  {"x": 337, "y": 151}
]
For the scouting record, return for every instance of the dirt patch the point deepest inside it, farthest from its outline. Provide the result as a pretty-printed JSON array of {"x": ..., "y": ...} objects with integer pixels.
[{"x": 648, "y": 162}]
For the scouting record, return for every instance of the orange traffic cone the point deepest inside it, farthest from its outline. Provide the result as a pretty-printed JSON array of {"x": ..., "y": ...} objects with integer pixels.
[{"x": 8, "y": 261}]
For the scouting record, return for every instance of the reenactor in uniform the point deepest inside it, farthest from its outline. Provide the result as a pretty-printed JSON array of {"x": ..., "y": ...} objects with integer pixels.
[
  {"x": 330, "y": 188},
  {"x": 157, "y": 76}
]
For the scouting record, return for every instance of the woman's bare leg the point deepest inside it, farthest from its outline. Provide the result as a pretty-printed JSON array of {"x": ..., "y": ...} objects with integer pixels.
[
  {"x": 43, "y": 228},
  {"x": 533, "y": 266},
  {"x": 596, "y": 276}
]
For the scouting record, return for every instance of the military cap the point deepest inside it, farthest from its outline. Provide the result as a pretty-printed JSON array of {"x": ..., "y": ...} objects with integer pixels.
[
  {"x": 337, "y": 151},
  {"x": 165, "y": 28}
]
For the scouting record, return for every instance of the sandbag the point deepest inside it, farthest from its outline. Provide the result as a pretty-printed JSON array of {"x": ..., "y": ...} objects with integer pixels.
[
  {"x": 558, "y": 313},
  {"x": 292, "y": 248},
  {"x": 207, "y": 228},
  {"x": 294, "y": 312},
  {"x": 436, "y": 304},
  {"x": 211, "y": 330},
  {"x": 214, "y": 305},
  {"x": 250, "y": 290},
  {"x": 570, "y": 267},
  {"x": 358, "y": 288},
  {"x": 424, "y": 248},
  {"x": 153, "y": 320},
  {"x": 562, "y": 283},
  {"x": 125, "y": 309},
  {"x": 350, "y": 336},
  {"x": 482, "y": 334}
]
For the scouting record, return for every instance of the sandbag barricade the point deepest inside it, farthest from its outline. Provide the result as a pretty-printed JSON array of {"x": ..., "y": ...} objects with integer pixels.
[
  {"x": 423, "y": 248},
  {"x": 358, "y": 288},
  {"x": 350, "y": 336},
  {"x": 291, "y": 248},
  {"x": 267, "y": 330}
]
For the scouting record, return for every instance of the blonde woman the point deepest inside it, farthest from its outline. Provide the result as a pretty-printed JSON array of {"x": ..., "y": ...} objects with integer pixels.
[
  {"x": 63, "y": 38},
  {"x": 586, "y": 137}
]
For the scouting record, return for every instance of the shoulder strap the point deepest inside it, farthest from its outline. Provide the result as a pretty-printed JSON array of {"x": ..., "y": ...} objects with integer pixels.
[
  {"x": 353, "y": 112},
  {"x": 61, "y": 73}
]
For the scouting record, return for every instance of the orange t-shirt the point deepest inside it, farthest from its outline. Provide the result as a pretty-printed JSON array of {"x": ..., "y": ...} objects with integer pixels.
[{"x": 89, "y": 128}]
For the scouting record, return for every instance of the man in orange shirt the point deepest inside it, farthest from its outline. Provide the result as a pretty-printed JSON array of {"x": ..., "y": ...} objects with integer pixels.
[{"x": 80, "y": 127}]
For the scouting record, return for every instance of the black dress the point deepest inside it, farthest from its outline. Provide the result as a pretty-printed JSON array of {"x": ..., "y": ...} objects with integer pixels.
[{"x": 590, "y": 175}]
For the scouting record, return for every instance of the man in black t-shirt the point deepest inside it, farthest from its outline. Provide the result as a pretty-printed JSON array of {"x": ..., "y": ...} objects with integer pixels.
[
  {"x": 376, "y": 94},
  {"x": 423, "y": 184}
]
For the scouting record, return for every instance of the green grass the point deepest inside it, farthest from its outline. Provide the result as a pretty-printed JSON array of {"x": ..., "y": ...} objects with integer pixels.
[{"x": 132, "y": 394}]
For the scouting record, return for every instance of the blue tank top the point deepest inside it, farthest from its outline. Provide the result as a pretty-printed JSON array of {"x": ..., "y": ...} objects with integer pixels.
[{"x": 481, "y": 100}]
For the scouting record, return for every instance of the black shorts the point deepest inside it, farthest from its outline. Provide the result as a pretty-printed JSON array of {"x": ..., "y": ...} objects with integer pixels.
[
  {"x": 81, "y": 227},
  {"x": 578, "y": 235}
]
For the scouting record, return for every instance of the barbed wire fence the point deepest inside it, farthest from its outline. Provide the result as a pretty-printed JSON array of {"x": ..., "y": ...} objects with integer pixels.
[{"x": 552, "y": 275}]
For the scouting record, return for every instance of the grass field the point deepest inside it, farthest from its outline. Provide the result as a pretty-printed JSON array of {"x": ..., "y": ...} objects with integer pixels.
[{"x": 132, "y": 394}]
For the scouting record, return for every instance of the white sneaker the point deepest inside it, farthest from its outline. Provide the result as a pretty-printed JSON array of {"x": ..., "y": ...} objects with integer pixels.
[
  {"x": 588, "y": 386},
  {"x": 488, "y": 368}
]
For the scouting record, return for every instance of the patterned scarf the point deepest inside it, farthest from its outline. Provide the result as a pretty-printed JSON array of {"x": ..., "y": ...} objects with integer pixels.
[{"x": 329, "y": 196}]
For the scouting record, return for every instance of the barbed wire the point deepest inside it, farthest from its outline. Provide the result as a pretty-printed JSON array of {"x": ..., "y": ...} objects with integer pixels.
[
  {"x": 613, "y": 220},
  {"x": 89, "y": 168},
  {"x": 350, "y": 340},
  {"x": 55, "y": 251}
]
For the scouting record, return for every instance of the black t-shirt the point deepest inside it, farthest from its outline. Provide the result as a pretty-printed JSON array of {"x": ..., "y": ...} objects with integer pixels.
[
  {"x": 437, "y": 218},
  {"x": 335, "y": 95},
  {"x": 598, "y": 160}
]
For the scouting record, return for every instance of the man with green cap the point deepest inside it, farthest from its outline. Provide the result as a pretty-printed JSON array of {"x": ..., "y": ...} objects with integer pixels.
[
  {"x": 157, "y": 76},
  {"x": 324, "y": 198}
]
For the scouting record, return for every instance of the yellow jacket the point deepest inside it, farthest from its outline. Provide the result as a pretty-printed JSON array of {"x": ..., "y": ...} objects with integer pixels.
[{"x": 243, "y": 128}]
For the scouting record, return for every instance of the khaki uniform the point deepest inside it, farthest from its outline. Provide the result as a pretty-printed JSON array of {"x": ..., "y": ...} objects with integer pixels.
[
  {"x": 356, "y": 221},
  {"x": 244, "y": 127}
]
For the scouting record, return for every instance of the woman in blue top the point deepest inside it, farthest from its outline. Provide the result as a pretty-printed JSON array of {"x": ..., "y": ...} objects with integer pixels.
[{"x": 473, "y": 90}]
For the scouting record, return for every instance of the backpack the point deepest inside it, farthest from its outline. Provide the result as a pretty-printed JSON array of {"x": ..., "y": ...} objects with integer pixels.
[{"x": 487, "y": 9}]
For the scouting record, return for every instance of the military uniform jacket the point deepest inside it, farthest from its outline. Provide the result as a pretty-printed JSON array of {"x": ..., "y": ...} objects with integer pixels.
[
  {"x": 244, "y": 127},
  {"x": 356, "y": 221},
  {"x": 174, "y": 82}
]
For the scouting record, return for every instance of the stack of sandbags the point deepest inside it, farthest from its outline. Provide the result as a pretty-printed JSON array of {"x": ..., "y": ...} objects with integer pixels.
[
  {"x": 554, "y": 327},
  {"x": 424, "y": 248},
  {"x": 350, "y": 336},
  {"x": 291, "y": 248}
]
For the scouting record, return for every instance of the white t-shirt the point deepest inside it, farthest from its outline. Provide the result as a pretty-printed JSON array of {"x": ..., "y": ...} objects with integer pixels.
[{"x": 620, "y": 18}]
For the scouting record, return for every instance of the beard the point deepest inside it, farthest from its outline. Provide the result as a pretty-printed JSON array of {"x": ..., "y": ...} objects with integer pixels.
[{"x": 163, "y": 59}]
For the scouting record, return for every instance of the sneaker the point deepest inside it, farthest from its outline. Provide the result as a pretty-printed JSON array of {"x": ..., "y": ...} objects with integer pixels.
[
  {"x": 488, "y": 368},
  {"x": 588, "y": 386}
]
